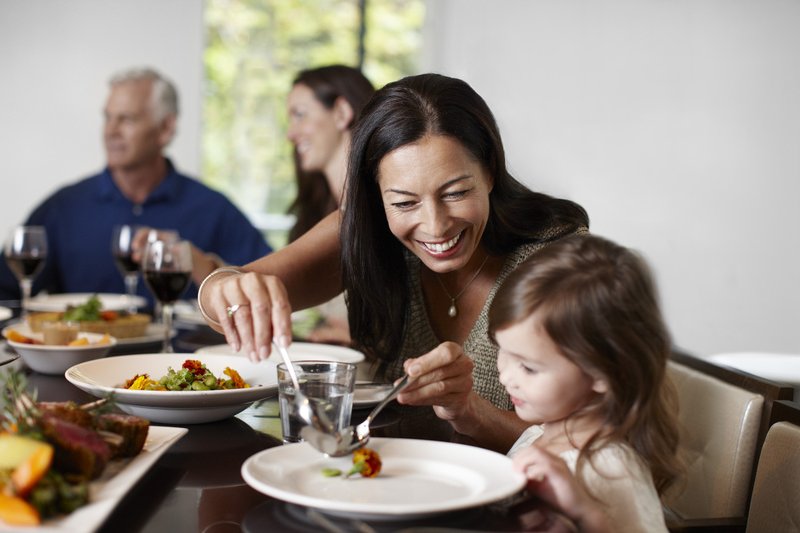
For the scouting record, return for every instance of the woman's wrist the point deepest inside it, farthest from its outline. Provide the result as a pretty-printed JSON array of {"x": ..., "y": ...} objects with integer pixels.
[
  {"x": 486, "y": 425},
  {"x": 225, "y": 271}
]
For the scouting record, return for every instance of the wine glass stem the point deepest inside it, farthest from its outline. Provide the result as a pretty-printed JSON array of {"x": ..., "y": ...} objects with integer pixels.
[
  {"x": 25, "y": 288},
  {"x": 131, "y": 280},
  {"x": 166, "y": 310}
]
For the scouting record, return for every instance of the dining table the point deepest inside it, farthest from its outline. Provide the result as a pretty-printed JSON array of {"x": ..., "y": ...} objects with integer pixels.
[{"x": 196, "y": 485}]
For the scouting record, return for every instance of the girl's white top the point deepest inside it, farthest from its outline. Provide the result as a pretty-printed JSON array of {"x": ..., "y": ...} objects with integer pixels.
[{"x": 619, "y": 479}]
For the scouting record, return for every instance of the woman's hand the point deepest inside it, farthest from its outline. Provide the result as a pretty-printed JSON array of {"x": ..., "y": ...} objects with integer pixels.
[
  {"x": 442, "y": 378},
  {"x": 550, "y": 479},
  {"x": 251, "y": 309}
]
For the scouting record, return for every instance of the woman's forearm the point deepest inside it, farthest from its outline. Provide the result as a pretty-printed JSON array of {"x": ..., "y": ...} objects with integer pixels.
[
  {"x": 484, "y": 425},
  {"x": 308, "y": 267}
]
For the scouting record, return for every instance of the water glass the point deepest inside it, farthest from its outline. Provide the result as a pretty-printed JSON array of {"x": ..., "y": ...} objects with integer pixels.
[{"x": 327, "y": 385}]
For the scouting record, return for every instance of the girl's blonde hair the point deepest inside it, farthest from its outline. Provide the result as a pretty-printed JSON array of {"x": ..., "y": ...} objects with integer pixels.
[{"x": 599, "y": 305}]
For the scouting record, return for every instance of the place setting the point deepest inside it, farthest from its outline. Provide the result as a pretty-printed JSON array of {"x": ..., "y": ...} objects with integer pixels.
[{"x": 339, "y": 469}]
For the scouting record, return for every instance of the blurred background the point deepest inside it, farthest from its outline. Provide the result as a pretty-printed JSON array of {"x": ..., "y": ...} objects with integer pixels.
[{"x": 676, "y": 124}]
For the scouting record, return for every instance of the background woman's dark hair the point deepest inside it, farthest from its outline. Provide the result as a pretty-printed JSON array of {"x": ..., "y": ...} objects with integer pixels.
[
  {"x": 373, "y": 265},
  {"x": 598, "y": 303},
  {"x": 314, "y": 199}
]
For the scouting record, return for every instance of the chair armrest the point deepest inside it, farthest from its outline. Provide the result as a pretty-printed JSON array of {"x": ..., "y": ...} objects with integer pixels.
[{"x": 677, "y": 524}]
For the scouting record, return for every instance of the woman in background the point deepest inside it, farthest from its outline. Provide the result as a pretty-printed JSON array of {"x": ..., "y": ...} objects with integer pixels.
[{"x": 323, "y": 105}]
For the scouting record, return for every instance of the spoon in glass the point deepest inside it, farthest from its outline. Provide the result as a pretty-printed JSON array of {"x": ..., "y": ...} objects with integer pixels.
[
  {"x": 311, "y": 414},
  {"x": 353, "y": 437}
]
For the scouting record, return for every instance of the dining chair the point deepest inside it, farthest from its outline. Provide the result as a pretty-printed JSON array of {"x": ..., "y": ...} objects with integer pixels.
[
  {"x": 724, "y": 415},
  {"x": 775, "y": 503}
]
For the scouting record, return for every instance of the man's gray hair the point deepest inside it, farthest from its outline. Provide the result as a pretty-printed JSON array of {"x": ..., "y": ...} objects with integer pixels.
[{"x": 164, "y": 96}]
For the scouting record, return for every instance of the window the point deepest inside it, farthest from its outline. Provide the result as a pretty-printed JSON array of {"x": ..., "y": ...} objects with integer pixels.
[{"x": 254, "y": 49}]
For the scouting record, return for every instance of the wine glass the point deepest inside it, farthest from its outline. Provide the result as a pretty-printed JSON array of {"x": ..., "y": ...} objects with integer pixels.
[
  {"x": 166, "y": 235},
  {"x": 26, "y": 251},
  {"x": 167, "y": 270},
  {"x": 122, "y": 239}
]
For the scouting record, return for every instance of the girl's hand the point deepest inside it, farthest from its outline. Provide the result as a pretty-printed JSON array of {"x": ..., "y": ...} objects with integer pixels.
[
  {"x": 550, "y": 479},
  {"x": 263, "y": 312},
  {"x": 443, "y": 379}
]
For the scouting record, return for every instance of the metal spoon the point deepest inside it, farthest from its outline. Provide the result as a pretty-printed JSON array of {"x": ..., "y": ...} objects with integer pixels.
[
  {"x": 307, "y": 411},
  {"x": 352, "y": 438}
]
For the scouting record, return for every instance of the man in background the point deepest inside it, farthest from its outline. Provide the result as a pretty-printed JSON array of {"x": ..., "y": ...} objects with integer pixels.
[{"x": 139, "y": 186}]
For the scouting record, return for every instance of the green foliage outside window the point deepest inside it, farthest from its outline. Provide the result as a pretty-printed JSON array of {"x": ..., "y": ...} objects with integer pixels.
[{"x": 254, "y": 48}]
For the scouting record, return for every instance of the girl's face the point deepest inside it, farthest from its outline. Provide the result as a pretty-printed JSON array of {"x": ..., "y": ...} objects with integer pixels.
[
  {"x": 315, "y": 130},
  {"x": 436, "y": 199},
  {"x": 544, "y": 385}
]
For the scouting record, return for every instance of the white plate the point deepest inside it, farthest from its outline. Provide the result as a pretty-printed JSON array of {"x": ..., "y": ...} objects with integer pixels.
[
  {"x": 152, "y": 335},
  {"x": 300, "y": 351},
  {"x": 104, "y": 376},
  {"x": 367, "y": 394},
  {"x": 117, "y": 479},
  {"x": 187, "y": 312},
  {"x": 418, "y": 478},
  {"x": 55, "y": 359},
  {"x": 60, "y": 302},
  {"x": 5, "y": 313}
]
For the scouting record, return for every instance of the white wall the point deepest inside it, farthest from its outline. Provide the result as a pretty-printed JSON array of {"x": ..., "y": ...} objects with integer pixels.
[
  {"x": 55, "y": 61},
  {"x": 676, "y": 124}
]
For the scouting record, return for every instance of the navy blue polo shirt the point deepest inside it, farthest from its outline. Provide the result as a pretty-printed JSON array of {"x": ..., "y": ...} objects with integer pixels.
[{"x": 79, "y": 219}]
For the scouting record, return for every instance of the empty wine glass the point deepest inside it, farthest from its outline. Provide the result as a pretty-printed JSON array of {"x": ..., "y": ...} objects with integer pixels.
[
  {"x": 122, "y": 239},
  {"x": 167, "y": 270},
  {"x": 26, "y": 251}
]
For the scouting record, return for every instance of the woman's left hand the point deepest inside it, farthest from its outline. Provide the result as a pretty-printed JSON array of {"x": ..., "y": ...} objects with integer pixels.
[{"x": 442, "y": 378}]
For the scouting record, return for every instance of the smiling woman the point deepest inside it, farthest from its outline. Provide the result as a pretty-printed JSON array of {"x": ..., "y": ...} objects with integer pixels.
[{"x": 431, "y": 211}]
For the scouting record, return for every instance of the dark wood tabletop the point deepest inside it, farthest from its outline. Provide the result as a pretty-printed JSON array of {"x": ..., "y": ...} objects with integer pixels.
[{"x": 196, "y": 484}]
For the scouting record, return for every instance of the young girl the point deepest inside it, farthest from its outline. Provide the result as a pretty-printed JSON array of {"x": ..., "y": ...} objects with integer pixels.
[{"x": 583, "y": 353}]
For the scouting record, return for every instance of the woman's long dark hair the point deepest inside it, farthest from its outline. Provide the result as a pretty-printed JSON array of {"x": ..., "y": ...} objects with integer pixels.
[
  {"x": 314, "y": 199},
  {"x": 373, "y": 265}
]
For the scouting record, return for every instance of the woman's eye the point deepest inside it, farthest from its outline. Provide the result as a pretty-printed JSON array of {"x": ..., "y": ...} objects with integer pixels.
[
  {"x": 527, "y": 369},
  {"x": 402, "y": 205},
  {"x": 455, "y": 195}
]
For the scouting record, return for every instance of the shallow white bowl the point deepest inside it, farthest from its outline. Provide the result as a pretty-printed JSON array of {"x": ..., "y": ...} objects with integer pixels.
[
  {"x": 105, "y": 376},
  {"x": 55, "y": 359}
]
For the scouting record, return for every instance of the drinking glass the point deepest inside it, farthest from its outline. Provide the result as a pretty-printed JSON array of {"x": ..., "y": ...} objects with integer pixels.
[
  {"x": 326, "y": 384},
  {"x": 167, "y": 269},
  {"x": 166, "y": 235},
  {"x": 26, "y": 251},
  {"x": 122, "y": 239}
]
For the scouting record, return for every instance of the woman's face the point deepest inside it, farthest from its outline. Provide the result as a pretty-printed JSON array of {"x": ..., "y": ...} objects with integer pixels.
[
  {"x": 436, "y": 199},
  {"x": 544, "y": 385},
  {"x": 313, "y": 129}
]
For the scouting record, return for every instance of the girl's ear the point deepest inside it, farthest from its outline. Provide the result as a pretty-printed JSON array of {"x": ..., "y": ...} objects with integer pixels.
[
  {"x": 342, "y": 113},
  {"x": 600, "y": 386}
]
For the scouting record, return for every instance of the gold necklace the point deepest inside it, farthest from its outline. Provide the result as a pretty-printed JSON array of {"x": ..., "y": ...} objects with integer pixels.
[{"x": 452, "y": 311}]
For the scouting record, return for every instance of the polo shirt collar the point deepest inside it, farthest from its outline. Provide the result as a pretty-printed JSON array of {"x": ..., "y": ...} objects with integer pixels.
[{"x": 166, "y": 191}]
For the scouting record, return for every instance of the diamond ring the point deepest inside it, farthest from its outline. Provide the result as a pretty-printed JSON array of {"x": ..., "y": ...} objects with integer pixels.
[{"x": 233, "y": 308}]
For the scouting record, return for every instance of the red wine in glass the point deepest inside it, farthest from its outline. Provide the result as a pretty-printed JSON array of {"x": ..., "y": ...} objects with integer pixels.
[
  {"x": 126, "y": 264},
  {"x": 167, "y": 287},
  {"x": 24, "y": 265},
  {"x": 122, "y": 238},
  {"x": 25, "y": 252},
  {"x": 166, "y": 268}
]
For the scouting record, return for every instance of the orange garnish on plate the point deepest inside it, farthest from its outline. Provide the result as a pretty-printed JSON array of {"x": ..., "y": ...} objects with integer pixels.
[{"x": 15, "y": 336}]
